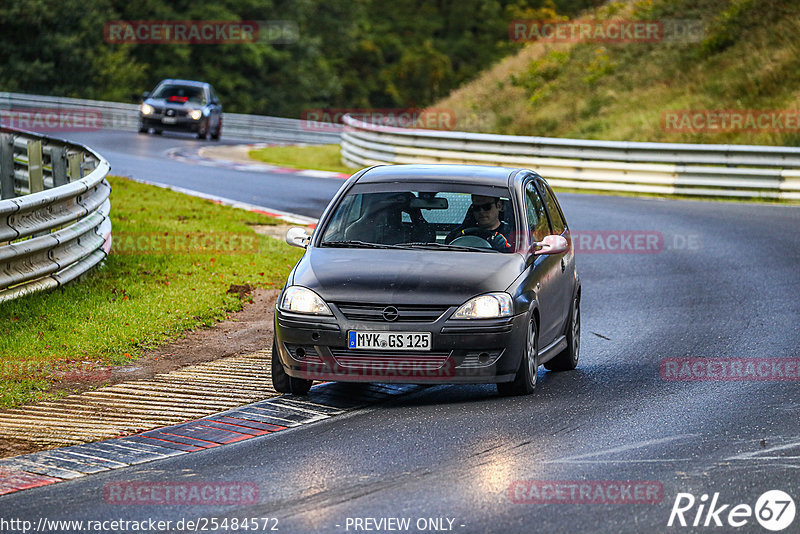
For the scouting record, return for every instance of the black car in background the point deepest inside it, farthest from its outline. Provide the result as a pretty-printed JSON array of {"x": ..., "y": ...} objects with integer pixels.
[
  {"x": 183, "y": 106},
  {"x": 434, "y": 274}
]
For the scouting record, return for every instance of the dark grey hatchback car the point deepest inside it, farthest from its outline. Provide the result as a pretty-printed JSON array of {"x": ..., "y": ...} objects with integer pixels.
[
  {"x": 182, "y": 106},
  {"x": 431, "y": 274}
]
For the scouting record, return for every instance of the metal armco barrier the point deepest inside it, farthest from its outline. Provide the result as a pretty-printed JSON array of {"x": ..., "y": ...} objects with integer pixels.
[
  {"x": 118, "y": 116},
  {"x": 54, "y": 212},
  {"x": 663, "y": 168}
]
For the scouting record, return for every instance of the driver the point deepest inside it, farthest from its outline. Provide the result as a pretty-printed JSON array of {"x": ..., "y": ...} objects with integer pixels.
[{"x": 486, "y": 213}]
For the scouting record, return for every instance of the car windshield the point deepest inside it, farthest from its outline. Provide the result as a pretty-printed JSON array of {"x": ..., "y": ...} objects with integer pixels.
[
  {"x": 179, "y": 93},
  {"x": 448, "y": 220}
]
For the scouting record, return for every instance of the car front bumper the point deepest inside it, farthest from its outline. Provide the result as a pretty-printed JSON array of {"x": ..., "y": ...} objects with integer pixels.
[
  {"x": 181, "y": 124},
  {"x": 462, "y": 351}
]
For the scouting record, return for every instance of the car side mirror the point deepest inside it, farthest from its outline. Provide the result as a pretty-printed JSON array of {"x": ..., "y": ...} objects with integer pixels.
[
  {"x": 145, "y": 95},
  {"x": 552, "y": 244},
  {"x": 298, "y": 237}
]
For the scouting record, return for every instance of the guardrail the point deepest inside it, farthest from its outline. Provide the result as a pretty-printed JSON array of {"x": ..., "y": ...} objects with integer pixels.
[
  {"x": 54, "y": 212},
  {"x": 663, "y": 168},
  {"x": 119, "y": 116}
]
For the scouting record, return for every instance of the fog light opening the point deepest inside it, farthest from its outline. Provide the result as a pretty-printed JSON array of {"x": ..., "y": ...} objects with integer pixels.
[
  {"x": 301, "y": 353},
  {"x": 483, "y": 357}
]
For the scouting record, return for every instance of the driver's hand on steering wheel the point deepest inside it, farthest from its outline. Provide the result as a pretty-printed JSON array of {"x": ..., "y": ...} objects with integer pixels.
[{"x": 499, "y": 242}]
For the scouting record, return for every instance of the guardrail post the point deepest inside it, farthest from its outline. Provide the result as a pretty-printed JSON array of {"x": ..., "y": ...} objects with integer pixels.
[
  {"x": 35, "y": 170},
  {"x": 74, "y": 167},
  {"x": 58, "y": 161},
  {"x": 7, "y": 166}
]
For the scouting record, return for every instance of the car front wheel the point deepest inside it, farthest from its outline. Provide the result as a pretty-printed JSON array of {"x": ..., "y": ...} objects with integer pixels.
[
  {"x": 567, "y": 359},
  {"x": 525, "y": 381},
  {"x": 282, "y": 382},
  {"x": 202, "y": 132},
  {"x": 216, "y": 134}
]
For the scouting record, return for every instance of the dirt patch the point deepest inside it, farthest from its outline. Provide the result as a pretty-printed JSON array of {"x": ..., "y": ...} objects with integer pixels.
[
  {"x": 246, "y": 331},
  {"x": 278, "y": 231}
]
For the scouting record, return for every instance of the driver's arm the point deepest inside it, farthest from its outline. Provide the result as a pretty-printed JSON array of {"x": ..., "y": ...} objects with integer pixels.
[{"x": 499, "y": 242}]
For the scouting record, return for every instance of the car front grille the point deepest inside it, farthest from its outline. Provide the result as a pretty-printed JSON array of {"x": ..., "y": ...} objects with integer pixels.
[
  {"x": 376, "y": 312},
  {"x": 400, "y": 361}
]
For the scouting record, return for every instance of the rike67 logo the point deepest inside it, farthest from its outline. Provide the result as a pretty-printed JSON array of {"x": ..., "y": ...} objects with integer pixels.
[{"x": 774, "y": 510}]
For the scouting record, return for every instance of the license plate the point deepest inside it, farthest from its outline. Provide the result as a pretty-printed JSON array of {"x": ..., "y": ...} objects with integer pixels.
[
  {"x": 389, "y": 340},
  {"x": 169, "y": 120}
]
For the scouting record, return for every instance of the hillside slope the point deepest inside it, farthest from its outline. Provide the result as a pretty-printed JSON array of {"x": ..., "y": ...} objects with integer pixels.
[{"x": 745, "y": 58}]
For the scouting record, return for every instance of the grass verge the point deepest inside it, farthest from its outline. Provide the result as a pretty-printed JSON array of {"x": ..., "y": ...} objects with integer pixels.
[
  {"x": 320, "y": 157},
  {"x": 173, "y": 260}
]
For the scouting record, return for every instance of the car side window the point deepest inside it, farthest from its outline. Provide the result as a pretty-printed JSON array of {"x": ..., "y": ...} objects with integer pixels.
[
  {"x": 537, "y": 219},
  {"x": 556, "y": 219},
  {"x": 347, "y": 214},
  {"x": 213, "y": 94}
]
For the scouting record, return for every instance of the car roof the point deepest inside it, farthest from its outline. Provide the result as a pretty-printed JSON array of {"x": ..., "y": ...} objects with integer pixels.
[
  {"x": 443, "y": 173},
  {"x": 184, "y": 82}
]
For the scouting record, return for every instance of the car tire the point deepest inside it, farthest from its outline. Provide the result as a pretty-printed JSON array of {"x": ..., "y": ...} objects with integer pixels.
[
  {"x": 158, "y": 132},
  {"x": 218, "y": 133},
  {"x": 282, "y": 382},
  {"x": 202, "y": 133},
  {"x": 143, "y": 129},
  {"x": 567, "y": 359},
  {"x": 527, "y": 375}
]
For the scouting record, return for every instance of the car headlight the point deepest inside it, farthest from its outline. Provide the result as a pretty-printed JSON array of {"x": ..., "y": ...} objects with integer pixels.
[
  {"x": 196, "y": 114},
  {"x": 486, "y": 306},
  {"x": 299, "y": 299},
  {"x": 146, "y": 109}
]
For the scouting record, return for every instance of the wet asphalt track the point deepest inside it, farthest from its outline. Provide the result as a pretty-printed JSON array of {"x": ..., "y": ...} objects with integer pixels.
[{"x": 725, "y": 285}]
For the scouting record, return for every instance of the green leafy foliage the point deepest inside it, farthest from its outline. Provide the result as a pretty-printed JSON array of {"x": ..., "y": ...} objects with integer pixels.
[{"x": 348, "y": 53}]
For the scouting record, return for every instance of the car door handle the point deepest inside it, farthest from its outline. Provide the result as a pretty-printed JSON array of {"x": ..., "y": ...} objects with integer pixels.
[{"x": 563, "y": 267}]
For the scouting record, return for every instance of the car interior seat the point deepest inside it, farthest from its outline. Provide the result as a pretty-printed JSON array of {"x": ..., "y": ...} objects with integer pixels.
[{"x": 381, "y": 222}]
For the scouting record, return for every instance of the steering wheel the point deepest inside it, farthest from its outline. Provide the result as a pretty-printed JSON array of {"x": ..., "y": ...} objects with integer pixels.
[{"x": 473, "y": 237}]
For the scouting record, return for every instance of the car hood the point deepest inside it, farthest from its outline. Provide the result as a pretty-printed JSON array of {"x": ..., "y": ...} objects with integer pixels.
[{"x": 405, "y": 276}]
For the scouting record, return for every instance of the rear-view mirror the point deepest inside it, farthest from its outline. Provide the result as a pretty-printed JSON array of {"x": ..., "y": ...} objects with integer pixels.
[
  {"x": 431, "y": 203},
  {"x": 298, "y": 237}
]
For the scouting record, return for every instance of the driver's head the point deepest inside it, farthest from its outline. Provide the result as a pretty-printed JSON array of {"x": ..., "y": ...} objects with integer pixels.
[{"x": 486, "y": 211}]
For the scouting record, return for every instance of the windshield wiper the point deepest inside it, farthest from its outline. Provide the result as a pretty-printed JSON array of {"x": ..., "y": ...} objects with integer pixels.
[
  {"x": 356, "y": 244},
  {"x": 432, "y": 246}
]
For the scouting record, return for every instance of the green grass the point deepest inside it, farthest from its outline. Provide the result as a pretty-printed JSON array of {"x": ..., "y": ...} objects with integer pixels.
[
  {"x": 747, "y": 58},
  {"x": 321, "y": 157},
  {"x": 142, "y": 297}
]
